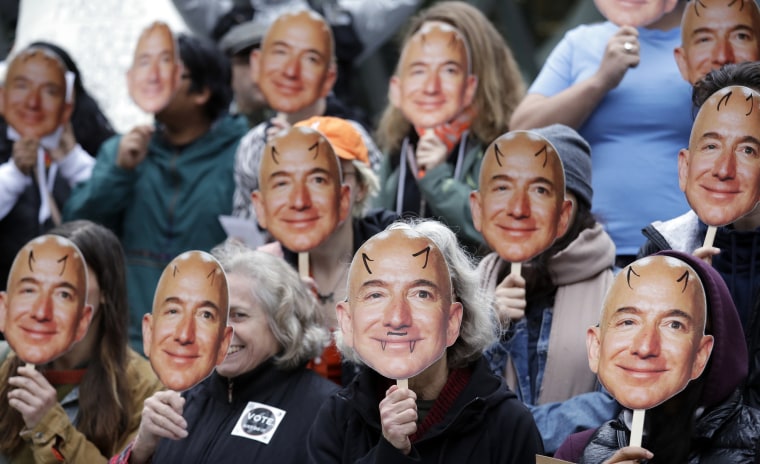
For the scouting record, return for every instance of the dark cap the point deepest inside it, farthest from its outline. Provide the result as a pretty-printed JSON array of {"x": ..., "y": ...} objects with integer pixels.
[{"x": 243, "y": 37}]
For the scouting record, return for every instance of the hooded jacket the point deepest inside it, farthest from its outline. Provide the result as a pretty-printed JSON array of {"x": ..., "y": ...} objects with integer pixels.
[
  {"x": 486, "y": 423},
  {"x": 724, "y": 430}
]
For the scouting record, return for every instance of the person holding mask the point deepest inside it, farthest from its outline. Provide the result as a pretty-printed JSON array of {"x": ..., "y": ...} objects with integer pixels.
[
  {"x": 413, "y": 299},
  {"x": 260, "y": 402},
  {"x": 663, "y": 317},
  {"x": 618, "y": 85},
  {"x": 435, "y": 130},
  {"x": 100, "y": 380},
  {"x": 547, "y": 308}
]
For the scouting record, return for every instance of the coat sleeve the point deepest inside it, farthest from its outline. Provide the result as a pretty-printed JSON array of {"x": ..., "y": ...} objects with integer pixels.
[
  {"x": 55, "y": 440},
  {"x": 104, "y": 197}
]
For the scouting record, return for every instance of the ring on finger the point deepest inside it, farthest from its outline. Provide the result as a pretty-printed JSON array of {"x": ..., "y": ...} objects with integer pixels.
[{"x": 628, "y": 47}]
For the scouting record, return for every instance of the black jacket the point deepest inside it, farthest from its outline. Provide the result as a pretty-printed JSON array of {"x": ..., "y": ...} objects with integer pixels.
[
  {"x": 211, "y": 417},
  {"x": 486, "y": 424}
]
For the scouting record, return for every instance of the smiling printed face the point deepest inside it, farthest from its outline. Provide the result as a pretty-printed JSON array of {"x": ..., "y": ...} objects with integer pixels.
[
  {"x": 720, "y": 172},
  {"x": 520, "y": 207},
  {"x": 301, "y": 199},
  {"x": 433, "y": 84},
  {"x": 44, "y": 311},
  {"x": 715, "y": 33},
  {"x": 154, "y": 75},
  {"x": 294, "y": 67},
  {"x": 636, "y": 13},
  {"x": 33, "y": 99},
  {"x": 187, "y": 333},
  {"x": 399, "y": 317},
  {"x": 650, "y": 342}
]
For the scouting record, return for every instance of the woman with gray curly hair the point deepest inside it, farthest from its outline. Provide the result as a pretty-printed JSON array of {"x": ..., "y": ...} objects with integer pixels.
[
  {"x": 413, "y": 313},
  {"x": 262, "y": 397}
]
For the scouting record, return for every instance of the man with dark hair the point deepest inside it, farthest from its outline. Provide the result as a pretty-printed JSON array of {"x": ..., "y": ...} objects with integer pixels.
[{"x": 161, "y": 188}]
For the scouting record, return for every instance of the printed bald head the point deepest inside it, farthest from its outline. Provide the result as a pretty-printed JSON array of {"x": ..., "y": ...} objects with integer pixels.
[
  {"x": 187, "y": 333},
  {"x": 44, "y": 311},
  {"x": 715, "y": 33},
  {"x": 720, "y": 171},
  {"x": 36, "y": 98},
  {"x": 400, "y": 315},
  {"x": 520, "y": 207},
  {"x": 433, "y": 83},
  {"x": 651, "y": 339},
  {"x": 295, "y": 66},
  {"x": 301, "y": 198},
  {"x": 155, "y": 72}
]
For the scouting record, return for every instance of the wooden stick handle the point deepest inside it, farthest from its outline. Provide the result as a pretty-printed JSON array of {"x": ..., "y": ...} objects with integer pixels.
[
  {"x": 516, "y": 268},
  {"x": 637, "y": 427},
  {"x": 710, "y": 236},
  {"x": 402, "y": 383},
  {"x": 303, "y": 264}
]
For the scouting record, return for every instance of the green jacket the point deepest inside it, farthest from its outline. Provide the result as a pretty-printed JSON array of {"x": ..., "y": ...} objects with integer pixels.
[
  {"x": 168, "y": 204},
  {"x": 447, "y": 198}
]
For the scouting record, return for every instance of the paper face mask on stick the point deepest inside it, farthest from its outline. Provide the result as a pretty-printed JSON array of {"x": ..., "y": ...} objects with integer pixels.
[
  {"x": 715, "y": 33},
  {"x": 720, "y": 171},
  {"x": 295, "y": 65},
  {"x": 154, "y": 75},
  {"x": 187, "y": 333},
  {"x": 636, "y": 14},
  {"x": 520, "y": 207},
  {"x": 650, "y": 342},
  {"x": 44, "y": 312},
  {"x": 400, "y": 316},
  {"x": 301, "y": 199},
  {"x": 433, "y": 84},
  {"x": 38, "y": 95}
]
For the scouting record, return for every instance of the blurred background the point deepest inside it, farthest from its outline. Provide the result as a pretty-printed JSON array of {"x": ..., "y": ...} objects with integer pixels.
[{"x": 100, "y": 34}]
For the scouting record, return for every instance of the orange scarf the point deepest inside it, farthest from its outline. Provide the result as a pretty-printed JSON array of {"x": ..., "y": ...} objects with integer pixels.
[{"x": 451, "y": 132}]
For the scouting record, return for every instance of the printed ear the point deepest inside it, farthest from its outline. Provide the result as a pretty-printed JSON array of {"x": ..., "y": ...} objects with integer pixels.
[
  {"x": 3, "y": 310},
  {"x": 565, "y": 215},
  {"x": 254, "y": 60},
  {"x": 475, "y": 210},
  {"x": 147, "y": 332},
  {"x": 703, "y": 355},
  {"x": 84, "y": 322},
  {"x": 258, "y": 207},
  {"x": 683, "y": 168},
  {"x": 343, "y": 311},
  {"x": 455, "y": 323},
  {"x": 394, "y": 92},
  {"x": 683, "y": 66},
  {"x": 224, "y": 345},
  {"x": 593, "y": 345}
]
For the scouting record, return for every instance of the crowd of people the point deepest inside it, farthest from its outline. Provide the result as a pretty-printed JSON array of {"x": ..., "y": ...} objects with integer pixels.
[{"x": 491, "y": 272}]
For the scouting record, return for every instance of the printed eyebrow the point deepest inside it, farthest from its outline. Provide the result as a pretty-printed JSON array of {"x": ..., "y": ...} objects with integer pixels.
[
  {"x": 366, "y": 258},
  {"x": 535, "y": 180},
  {"x": 685, "y": 278},
  {"x": 315, "y": 170},
  {"x": 425, "y": 250},
  {"x": 628, "y": 276},
  {"x": 63, "y": 260},
  {"x": 65, "y": 284},
  {"x": 203, "y": 304}
]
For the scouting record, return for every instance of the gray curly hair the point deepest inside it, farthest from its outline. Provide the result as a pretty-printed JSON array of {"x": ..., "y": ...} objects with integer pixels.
[{"x": 291, "y": 310}]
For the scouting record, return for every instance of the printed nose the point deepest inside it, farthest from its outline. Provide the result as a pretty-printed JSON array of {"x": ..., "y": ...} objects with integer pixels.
[
  {"x": 432, "y": 84},
  {"x": 185, "y": 330},
  {"x": 724, "y": 53},
  {"x": 293, "y": 67},
  {"x": 398, "y": 315},
  {"x": 518, "y": 205},
  {"x": 646, "y": 343},
  {"x": 725, "y": 166},
  {"x": 43, "y": 310},
  {"x": 300, "y": 197}
]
